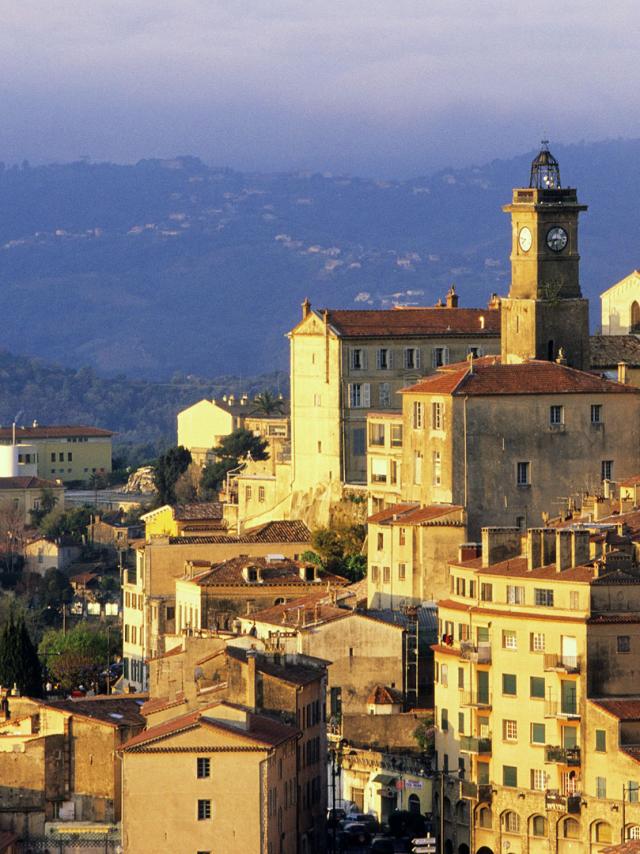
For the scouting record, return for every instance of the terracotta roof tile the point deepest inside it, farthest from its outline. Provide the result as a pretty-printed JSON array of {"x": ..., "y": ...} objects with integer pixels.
[
  {"x": 383, "y": 696},
  {"x": 608, "y": 350},
  {"x": 517, "y": 566},
  {"x": 631, "y": 846},
  {"x": 271, "y": 572},
  {"x": 54, "y": 432},
  {"x": 414, "y": 322},
  {"x": 22, "y": 482},
  {"x": 116, "y": 709},
  {"x": 202, "y": 510},
  {"x": 296, "y": 672},
  {"x": 624, "y": 709},
  {"x": 631, "y": 481},
  {"x": 491, "y": 377},
  {"x": 281, "y": 531},
  {"x": 386, "y": 515},
  {"x": 298, "y": 613}
]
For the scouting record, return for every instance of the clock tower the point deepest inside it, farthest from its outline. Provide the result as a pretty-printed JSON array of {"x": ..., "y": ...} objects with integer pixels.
[{"x": 545, "y": 315}]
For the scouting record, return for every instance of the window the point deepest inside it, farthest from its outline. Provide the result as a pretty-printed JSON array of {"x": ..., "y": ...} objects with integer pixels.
[
  {"x": 537, "y": 642},
  {"x": 632, "y": 791},
  {"x": 633, "y": 832},
  {"x": 486, "y": 592},
  {"x": 601, "y": 787},
  {"x": 418, "y": 415},
  {"x": 402, "y": 571},
  {"x": 603, "y": 832},
  {"x": 574, "y": 600},
  {"x": 384, "y": 359},
  {"x": 536, "y": 687},
  {"x": 319, "y": 447},
  {"x": 523, "y": 473},
  {"x": 386, "y": 575},
  {"x": 359, "y": 395},
  {"x": 521, "y": 523},
  {"x": 556, "y": 415},
  {"x": 439, "y": 357},
  {"x": 378, "y": 470},
  {"x": 509, "y": 684},
  {"x": 460, "y": 586},
  {"x": 509, "y": 639},
  {"x": 204, "y": 810},
  {"x": 412, "y": 358},
  {"x": 402, "y": 536},
  {"x": 417, "y": 468},
  {"x": 261, "y": 494},
  {"x": 203, "y": 767},
  {"x": 596, "y": 413},
  {"x": 358, "y": 437},
  {"x": 317, "y": 400},
  {"x": 601, "y": 741},
  {"x": 380, "y": 541},
  {"x": 543, "y": 597},
  {"x": 484, "y": 817},
  {"x": 396, "y": 435},
  {"x": 538, "y": 826},
  {"x": 538, "y": 780},
  {"x": 515, "y": 595},
  {"x": 538, "y": 734},
  {"x": 358, "y": 359},
  {"x": 444, "y": 675},
  {"x": 247, "y": 493},
  {"x": 69, "y": 457},
  {"x": 624, "y": 643},
  {"x": 436, "y": 416},
  {"x": 509, "y": 776},
  {"x": 476, "y": 352},
  {"x": 510, "y": 730},
  {"x": 571, "y": 829},
  {"x": 511, "y": 821},
  {"x": 393, "y": 471},
  {"x": 444, "y": 720},
  {"x": 375, "y": 573},
  {"x": 376, "y": 434},
  {"x": 437, "y": 468},
  {"x": 461, "y": 678},
  {"x": 53, "y": 457},
  {"x": 606, "y": 470},
  {"x": 384, "y": 395}
]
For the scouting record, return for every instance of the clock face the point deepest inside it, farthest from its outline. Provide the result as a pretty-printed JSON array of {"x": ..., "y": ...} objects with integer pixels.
[
  {"x": 525, "y": 239},
  {"x": 557, "y": 238}
]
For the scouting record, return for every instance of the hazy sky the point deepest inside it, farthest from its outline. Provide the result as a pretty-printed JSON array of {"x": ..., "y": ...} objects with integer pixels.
[{"x": 388, "y": 87}]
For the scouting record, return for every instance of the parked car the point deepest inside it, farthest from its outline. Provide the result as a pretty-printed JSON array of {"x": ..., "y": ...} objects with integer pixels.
[
  {"x": 382, "y": 845},
  {"x": 365, "y": 818},
  {"x": 335, "y": 816},
  {"x": 353, "y": 834}
]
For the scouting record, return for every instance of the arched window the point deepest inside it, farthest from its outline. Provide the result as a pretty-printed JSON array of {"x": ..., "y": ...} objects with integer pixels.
[
  {"x": 511, "y": 822},
  {"x": 447, "y": 808},
  {"x": 485, "y": 817},
  {"x": 602, "y": 832},
  {"x": 633, "y": 831},
  {"x": 414, "y": 804},
  {"x": 635, "y": 316},
  {"x": 570, "y": 829},
  {"x": 279, "y": 601},
  {"x": 461, "y": 812},
  {"x": 538, "y": 825}
]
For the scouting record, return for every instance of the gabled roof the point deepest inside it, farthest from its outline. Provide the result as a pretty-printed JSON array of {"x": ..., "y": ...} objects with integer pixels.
[
  {"x": 62, "y": 431},
  {"x": 413, "y": 322},
  {"x": 413, "y": 514},
  {"x": 279, "y": 531},
  {"x": 116, "y": 709},
  {"x": 23, "y": 482},
  {"x": 608, "y": 350},
  {"x": 517, "y": 567},
  {"x": 623, "y": 708},
  {"x": 276, "y": 572},
  {"x": 490, "y": 377},
  {"x": 207, "y": 510},
  {"x": 381, "y": 695}
]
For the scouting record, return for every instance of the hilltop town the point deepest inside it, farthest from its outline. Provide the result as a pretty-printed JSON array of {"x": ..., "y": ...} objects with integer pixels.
[{"x": 395, "y": 611}]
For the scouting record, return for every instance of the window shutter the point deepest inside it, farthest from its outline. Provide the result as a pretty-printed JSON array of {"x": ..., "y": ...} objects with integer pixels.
[
  {"x": 378, "y": 365},
  {"x": 417, "y": 352},
  {"x": 364, "y": 360},
  {"x": 366, "y": 394},
  {"x": 445, "y": 355},
  {"x": 350, "y": 395},
  {"x": 390, "y": 358}
]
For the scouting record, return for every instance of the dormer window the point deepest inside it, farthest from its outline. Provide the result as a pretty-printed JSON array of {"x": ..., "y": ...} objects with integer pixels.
[{"x": 251, "y": 574}]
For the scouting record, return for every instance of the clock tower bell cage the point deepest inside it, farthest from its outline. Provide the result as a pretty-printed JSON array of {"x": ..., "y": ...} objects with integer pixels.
[{"x": 545, "y": 315}]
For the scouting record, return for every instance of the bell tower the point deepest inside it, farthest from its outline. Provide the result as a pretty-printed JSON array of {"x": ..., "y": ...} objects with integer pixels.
[{"x": 545, "y": 315}]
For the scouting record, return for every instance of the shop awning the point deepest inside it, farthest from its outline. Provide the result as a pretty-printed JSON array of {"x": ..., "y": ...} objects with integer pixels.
[{"x": 385, "y": 779}]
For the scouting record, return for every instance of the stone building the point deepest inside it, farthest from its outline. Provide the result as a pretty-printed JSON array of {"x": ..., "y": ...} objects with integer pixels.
[
  {"x": 539, "y": 650},
  {"x": 620, "y": 305}
]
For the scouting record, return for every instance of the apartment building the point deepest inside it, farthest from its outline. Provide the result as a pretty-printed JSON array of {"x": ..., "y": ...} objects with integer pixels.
[
  {"x": 63, "y": 452},
  {"x": 539, "y": 650},
  {"x": 384, "y": 459}
]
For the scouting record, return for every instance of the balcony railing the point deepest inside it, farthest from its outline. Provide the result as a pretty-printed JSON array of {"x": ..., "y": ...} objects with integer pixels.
[
  {"x": 562, "y": 755},
  {"x": 564, "y": 709},
  {"x": 563, "y": 663},
  {"x": 480, "y": 653},
  {"x": 554, "y": 800},
  {"x": 472, "y": 744},
  {"x": 473, "y": 698}
]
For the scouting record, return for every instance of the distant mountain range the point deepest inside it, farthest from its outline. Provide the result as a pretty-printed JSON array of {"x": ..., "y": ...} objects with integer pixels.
[{"x": 172, "y": 265}]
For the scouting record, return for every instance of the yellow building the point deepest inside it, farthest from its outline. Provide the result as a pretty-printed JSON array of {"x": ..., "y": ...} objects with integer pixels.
[
  {"x": 184, "y": 520},
  {"x": 384, "y": 459},
  {"x": 533, "y": 638},
  {"x": 66, "y": 453},
  {"x": 620, "y": 305},
  {"x": 409, "y": 547},
  {"x": 345, "y": 363},
  {"x": 203, "y": 425}
]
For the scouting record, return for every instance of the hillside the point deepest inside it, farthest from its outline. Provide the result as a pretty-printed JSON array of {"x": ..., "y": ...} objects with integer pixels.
[{"x": 168, "y": 266}]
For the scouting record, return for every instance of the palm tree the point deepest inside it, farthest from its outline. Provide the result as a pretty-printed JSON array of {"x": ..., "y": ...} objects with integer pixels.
[{"x": 267, "y": 404}]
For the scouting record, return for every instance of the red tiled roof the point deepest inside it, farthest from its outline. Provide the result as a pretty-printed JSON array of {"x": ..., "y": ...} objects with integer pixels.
[
  {"x": 631, "y": 481},
  {"x": 414, "y": 322},
  {"x": 383, "y": 696},
  {"x": 271, "y": 572},
  {"x": 388, "y": 513},
  {"x": 197, "y": 511},
  {"x": 490, "y": 377},
  {"x": 624, "y": 709},
  {"x": 304, "y": 611},
  {"x": 171, "y": 727},
  {"x": 412, "y": 514},
  {"x": 517, "y": 566},
  {"x": 608, "y": 350},
  {"x": 23, "y": 482},
  {"x": 62, "y": 431},
  {"x": 116, "y": 709},
  {"x": 280, "y": 531},
  {"x": 631, "y": 846}
]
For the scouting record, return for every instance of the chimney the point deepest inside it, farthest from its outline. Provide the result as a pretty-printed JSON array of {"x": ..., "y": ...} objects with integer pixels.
[
  {"x": 541, "y": 547},
  {"x": 494, "y": 301},
  {"x": 252, "y": 679},
  {"x": 469, "y": 551},
  {"x": 622, "y": 373},
  {"x": 500, "y": 544},
  {"x": 563, "y": 549},
  {"x": 306, "y": 308},
  {"x": 452, "y": 297},
  {"x": 580, "y": 547}
]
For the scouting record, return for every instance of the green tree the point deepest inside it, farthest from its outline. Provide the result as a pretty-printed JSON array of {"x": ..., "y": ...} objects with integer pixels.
[
  {"x": 339, "y": 550},
  {"x": 46, "y": 503},
  {"x": 267, "y": 404},
  {"x": 19, "y": 662},
  {"x": 233, "y": 450},
  {"x": 79, "y": 656},
  {"x": 168, "y": 469},
  {"x": 71, "y": 523},
  {"x": 56, "y": 590}
]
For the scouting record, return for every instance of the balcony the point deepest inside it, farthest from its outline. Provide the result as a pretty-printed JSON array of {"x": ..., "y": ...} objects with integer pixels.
[
  {"x": 472, "y": 744},
  {"x": 565, "y": 709},
  {"x": 477, "y": 700},
  {"x": 480, "y": 653},
  {"x": 562, "y": 755},
  {"x": 562, "y": 663},
  {"x": 562, "y": 803},
  {"x": 485, "y": 793}
]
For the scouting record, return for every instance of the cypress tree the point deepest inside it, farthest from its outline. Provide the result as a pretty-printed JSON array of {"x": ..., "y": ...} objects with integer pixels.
[{"x": 19, "y": 662}]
